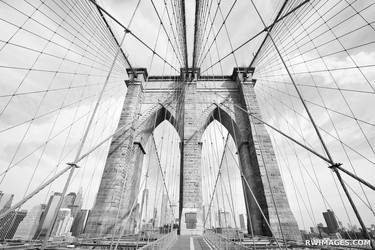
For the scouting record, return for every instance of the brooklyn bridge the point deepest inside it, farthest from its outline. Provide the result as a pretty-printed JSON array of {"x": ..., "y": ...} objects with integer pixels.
[{"x": 172, "y": 124}]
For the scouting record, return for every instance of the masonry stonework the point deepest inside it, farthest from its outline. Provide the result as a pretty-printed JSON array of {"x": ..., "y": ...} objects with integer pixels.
[
  {"x": 120, "y": 180},
  {"x": 191, "y": 103}
]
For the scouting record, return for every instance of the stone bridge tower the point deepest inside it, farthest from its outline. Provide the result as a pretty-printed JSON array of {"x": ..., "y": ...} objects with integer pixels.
[{"x": 190, "y": 102}]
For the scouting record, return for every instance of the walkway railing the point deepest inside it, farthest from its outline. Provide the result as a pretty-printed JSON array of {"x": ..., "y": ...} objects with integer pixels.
[
  {"x": 163, "y": 243},
  {"x": 230, "y": 241},
  {"x": 221, "y": 242}
]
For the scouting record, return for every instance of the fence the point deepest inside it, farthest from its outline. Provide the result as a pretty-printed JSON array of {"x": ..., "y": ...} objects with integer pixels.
[
  {"x": 220, "y": 242},
  {"x": 163, "y": 243}
]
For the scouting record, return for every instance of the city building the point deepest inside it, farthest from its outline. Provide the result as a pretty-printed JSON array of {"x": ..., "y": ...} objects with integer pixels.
[
  {"x": 9, "y": 224},
  {"x": 79, "y": 222},
  {"x": 155, "y": 221},
  {"x": 29, "y": 225},
  {"x": 143, "y": 212},
  {"x": 47, "y": 217},
  {"x": 63, "y": 223},
  {"x": 314, "y": 230},
  {"x": 5, "y": 201},
  {"x": 164, "y": 210},
  {"x": 224, "y": 219},
  {"x": 204, "y": 215},
  {"x": 331, "y": 221},
  {"x": 133, "y": 219},
  {"x": 78, "y": 202},
  {"x": 242, "y": 222},
  {"x": 79, "y": 198},
  {"x": 69, "y": 199},
  {"x": 353, "y": 228}
]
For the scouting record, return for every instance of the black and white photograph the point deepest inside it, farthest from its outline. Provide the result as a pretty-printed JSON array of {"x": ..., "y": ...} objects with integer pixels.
[{"x": 187, "y": 125}]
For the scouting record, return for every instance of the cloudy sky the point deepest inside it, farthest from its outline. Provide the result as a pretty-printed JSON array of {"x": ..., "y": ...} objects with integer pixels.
[{"x": 54, "y": 67}]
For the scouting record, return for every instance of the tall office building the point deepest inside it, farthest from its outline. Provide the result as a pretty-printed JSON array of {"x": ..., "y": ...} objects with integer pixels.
[
  {"x": 79, "y": 222},
  {"x": 331, "y": 221},
  {"x": 69, "y": 200},
  {"x": 79, "y": 198},
  {"x": 164, "y": 210},
  {"x": 204, "y": 214},
  {"x": 224, "y": 219},
  {"x": 133, "y": 219},
  {"x": 144, "y": 204},
  {"x": 155, "y": 221},
  {"x": 29, "y": 225},
  {"x": 242, "y": 222},
  {"x": 63, "y": 223},
  {"x": 76, "y": 205},
  {"x": 47, "y": 217},
  {"x": 5, "y": 201},
  {"x": 9, "y": 224}
]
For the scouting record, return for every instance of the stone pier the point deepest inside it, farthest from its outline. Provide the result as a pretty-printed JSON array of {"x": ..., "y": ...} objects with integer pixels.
[{"x": 191, "y": 102}]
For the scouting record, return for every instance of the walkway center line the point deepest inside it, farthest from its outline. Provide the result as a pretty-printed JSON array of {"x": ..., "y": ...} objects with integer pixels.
[{"x": 191, "y": 243}]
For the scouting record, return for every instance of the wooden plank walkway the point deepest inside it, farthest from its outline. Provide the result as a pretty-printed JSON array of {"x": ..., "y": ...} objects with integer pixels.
[{"x": 187, "y": 242}]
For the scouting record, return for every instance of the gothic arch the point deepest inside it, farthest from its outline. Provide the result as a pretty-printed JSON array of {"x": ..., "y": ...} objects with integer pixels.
[
  {"x": 152, "y": 121},
  {"x": 225, "y": 119},
  {"x": 198, "y": 107},
  {"x": 238, "y": 126}
]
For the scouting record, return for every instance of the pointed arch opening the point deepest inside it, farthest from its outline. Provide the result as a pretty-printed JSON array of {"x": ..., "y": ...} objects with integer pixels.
[
  {"x": 223, "y": 197},
  {"x": 158, "y": 198}
]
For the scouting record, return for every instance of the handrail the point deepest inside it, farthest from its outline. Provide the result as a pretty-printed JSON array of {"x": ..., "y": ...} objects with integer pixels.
[
  {"x": 163, "y": 243},
  {"x": 220, "y": 242}
]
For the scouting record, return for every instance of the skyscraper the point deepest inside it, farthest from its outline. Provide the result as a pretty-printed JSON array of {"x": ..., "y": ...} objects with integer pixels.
[
  {"x": 29, "y": 225},
  {"x": 164, "y": 210},
  {"x": 331, "y": 221},
  {"x": 224, "y": 219},
  {"x": 5, "y": 201},
  {"x": 9, "y": 224},
  {"x": 79, "y": 199},
  {"x": 63, "y": 223},
  {"x": 242, "y": 222},
  {"x": 155, "y": 221},
  {"x": 79, "y": 222},
  {"x": 133, "y": 219},
  {"x": 77, "y": 205},
  {"x": 69, "y": 200},
  {"x": 47, "y": 217},
  {"x": 204, "y": 213},
  {"x": 143, "y": 212}
]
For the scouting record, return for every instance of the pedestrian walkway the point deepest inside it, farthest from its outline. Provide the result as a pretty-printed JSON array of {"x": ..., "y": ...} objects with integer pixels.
[{"x": 187, "y": 242}]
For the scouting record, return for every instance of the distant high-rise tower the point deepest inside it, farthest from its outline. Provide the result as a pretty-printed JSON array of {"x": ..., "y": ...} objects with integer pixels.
[
  {"x": 331, "y": 221},
  {"x": 155, "y": 221},
  {"x": 77, "y": 204},
  {"x": 29, "y": 225},
  {"x": 133, "y": 219},
  {"x": 143, "y": 207},
  {"x": 69, "y": 200},
  {"x": 224, "y": 219},
  {"x": 5, "y": 201},
  {"x": 242, "y": 222},
  {"x": 204, "y": 212},
  {"x": 47, "y": 217},
  {"x": 164, "y": 210},
  {"x": 9, "y": 224},
  {"x": 63, "y": 223},
  {"x": 79, "y": 198},
  {"x": 79, "y": 222}
]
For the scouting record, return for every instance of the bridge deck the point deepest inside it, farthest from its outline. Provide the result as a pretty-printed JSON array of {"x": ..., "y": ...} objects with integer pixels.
[{"x": 187, "y": 242}]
